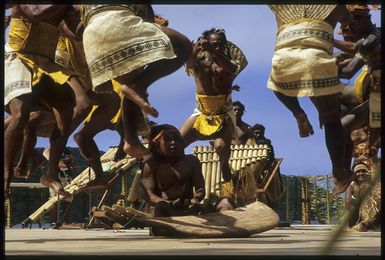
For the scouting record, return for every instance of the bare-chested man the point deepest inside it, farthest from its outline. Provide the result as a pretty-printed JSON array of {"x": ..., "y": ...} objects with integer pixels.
[
  {"x": 122, "y": 43},
  {"x": 214, "y": 68},
  {"x": 311, "y": 71},
  {"x": 243, "y": 130},
  {"x": 173, "y": 181},
  {"x": 27, "y": 63},
  {"x": 369, "y": 53}
]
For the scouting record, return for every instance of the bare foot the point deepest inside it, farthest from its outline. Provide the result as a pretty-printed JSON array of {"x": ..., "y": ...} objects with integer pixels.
[
  {"x": 360, "y": 227},
  {"x": 135, "y": 149},
  {"x": 341, "y": 183},
  {"x": 148, "y": 109},
  {"x": 54, "y": 184},
  {"x": 19, "y": 172},
  {"x": 140, "y": 98},
  {"x": 36, "y": 162},
  {"x": 304, "y": 126},
  {"x": 97, "y": 183}
]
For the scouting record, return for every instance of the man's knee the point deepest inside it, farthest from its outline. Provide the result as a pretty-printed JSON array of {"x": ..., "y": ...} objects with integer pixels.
[
  {"x": 20, "y": 119},
  {"x": 83, "y": 105},
  {"x": 225, "y": 204},
  {"x": 220, "y": 146}
]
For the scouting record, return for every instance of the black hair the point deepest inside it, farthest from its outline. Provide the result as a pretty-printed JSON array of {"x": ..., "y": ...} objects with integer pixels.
[
  {"x": 155, "y": 130},
  {"x": 259, "y": 126},
  {"x": 240, "y": 105},
  {"x": 213, "y": 30},
  {"x": 151, "y": 123}
]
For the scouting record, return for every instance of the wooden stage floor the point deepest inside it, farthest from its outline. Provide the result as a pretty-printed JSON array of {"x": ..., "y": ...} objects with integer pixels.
[{"x": 294, "y": 240}]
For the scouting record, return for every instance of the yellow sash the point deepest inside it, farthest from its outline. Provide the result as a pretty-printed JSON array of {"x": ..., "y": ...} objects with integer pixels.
[
  {"x": 115, "y": 119},
  {"x": 213, "y": 114},
  {"x": 361, "y": 85},
  {"x": 35, "y": 44}
]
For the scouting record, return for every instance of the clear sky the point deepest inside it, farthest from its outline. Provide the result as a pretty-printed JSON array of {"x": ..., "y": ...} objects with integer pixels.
[{"x": 253, "y": 29}]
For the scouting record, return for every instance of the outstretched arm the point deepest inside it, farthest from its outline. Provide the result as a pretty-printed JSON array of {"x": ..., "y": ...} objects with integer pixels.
[
  {"x": 351, "y": 69},
  {"x": 42, "y": 12},
  {"x": 191, "y": 62},
  {"x": 345, "y": 46}
]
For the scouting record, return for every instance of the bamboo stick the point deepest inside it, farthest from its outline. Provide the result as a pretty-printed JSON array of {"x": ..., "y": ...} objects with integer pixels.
[{"x": 73, "y": 188}]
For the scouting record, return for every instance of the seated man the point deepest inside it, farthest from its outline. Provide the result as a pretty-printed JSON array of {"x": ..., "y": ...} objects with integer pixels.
[
  {"x": 243, "y": 130},
  {"x": 275, "y": 188},
  {"x": 66, "y": 163},
  {"x": 173, "y": 181}
]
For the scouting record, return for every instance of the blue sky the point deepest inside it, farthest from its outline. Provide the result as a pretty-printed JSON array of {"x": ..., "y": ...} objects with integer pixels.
[{"x": 253, "y": 29}]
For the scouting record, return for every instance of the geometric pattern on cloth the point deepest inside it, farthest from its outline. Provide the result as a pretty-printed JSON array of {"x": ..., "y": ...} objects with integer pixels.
[
  {"x": 121, "y": 55},
  {"x": 306, "y": 32},
  {"x": 21, "y": 84},
  {"x": 316, "y": 83}
]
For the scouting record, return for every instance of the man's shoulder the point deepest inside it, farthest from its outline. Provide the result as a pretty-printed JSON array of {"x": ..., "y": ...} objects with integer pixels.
[{"x": 192, "y": 158}]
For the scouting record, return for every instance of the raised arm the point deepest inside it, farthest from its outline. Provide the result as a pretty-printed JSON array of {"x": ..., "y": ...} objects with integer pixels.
[
  {"x": 192, "y": 61},
  {"x": 225, "y": 62}
]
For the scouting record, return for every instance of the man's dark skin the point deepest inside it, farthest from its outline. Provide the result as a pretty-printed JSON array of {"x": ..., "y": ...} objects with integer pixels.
[
  {"x": 214, "y": 76},
  {"x": 170, "y": 176},
  {"x": 330, "y": 115},
  {"x": 243, "y": 130},
  {"x": 363, "y": 28},
  {"x": 65, "y": 108},
  {"x": 41, "y": 123}
]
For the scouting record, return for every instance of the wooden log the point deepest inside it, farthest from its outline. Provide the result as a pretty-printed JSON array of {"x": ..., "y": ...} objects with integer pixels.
[
  {"x": 103, "y": 218},
  {"x": 241, "y": 222}
]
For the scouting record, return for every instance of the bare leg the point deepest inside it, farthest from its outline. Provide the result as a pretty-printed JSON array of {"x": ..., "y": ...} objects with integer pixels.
[
  {"x": 291, "y": 103},
  {"x": 187, "y": 132},
  {"x": 60, "y": 98},
  {"x": 38, "y": 120},
  {"x": 83, "y": 103},
  {"x": 99, "y": 121},
  {"x": 29, "y": 143},
  {"x": 37, "y": 160},
  {"x": 120, "y": 154},
  {"x": 329, "y": 109},
  {"x": 131, "y": 113},
  {"x": 222, "y": 148},
  {"x": 19, "y": 110}
]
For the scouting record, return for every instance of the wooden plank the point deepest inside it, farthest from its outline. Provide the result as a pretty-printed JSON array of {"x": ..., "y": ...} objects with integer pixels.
[
  {"x": 270, "y": 175},
  {"x": 30, "y": 185}
]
